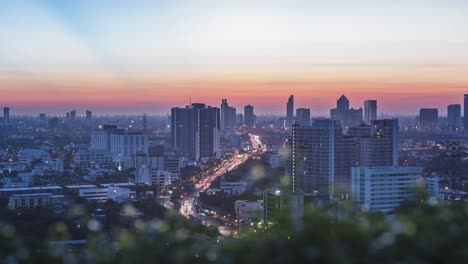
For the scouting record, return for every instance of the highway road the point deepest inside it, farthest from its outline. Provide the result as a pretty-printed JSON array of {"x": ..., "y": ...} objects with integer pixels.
[{"x": 188, "y": 203}]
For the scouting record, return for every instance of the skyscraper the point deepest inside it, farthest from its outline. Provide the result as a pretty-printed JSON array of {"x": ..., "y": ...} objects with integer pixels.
[
  {"x": 303, "y": 116},
  {"x": 6, "y": 115},
  {"x": 195, "y": 131},
  {"x": 228, "y": 116},
  {"x": 370, "y": 110},
  {"x": 454, "y": 116},
  {"x": 465, "y": 114},
  {"x": 290, "y": 111},
  {"x": 249, "y": 117}
]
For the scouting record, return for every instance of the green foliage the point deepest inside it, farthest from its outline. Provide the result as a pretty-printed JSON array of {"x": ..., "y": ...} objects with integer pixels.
[{"x": 421, "y": 233}]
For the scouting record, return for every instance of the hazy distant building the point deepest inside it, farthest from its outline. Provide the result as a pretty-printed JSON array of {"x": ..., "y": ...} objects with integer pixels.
[
  {"x": 239, "y": 119},
  {"x": 228, "y": 116},
  {"x": 249, "y": 117},
  {"x": 370, "y": 110},
  {"x": 303, "y": 116},
  {"x": 6, "y": 115},
  {"x": 354, "y": 117},
  {"x": 347, "y": 116},
  {"x": 73, "y": 115},
  {"x": 290, "y": 111},
  {"x": 89, "y": 115},
  {"x": 195, "y": 131},
  {"x": 465, "y": 114},
  {"x": 454, "y": 116},
  {"x": 428, "y": 118}
]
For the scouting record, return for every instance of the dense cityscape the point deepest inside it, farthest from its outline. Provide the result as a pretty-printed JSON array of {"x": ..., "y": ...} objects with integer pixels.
[
  {"x": 231, "y": 132},
  {"x": 235, "y": 172}
]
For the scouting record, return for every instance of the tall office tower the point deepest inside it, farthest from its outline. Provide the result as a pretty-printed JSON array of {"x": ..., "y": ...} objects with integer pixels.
[
  {"x": 290, "y": 111},
  {"x": 101, "y": 138},
  {"x": 313, "y": 157},
  {"x": 454, "y": 116},
  {"x": 303, "y": 116},
  {"x": 228, "y": 116},
  {"x": 354, "y": 117},
  {"x": 73, "y": 115},
  {"x": 89, "y": 115},
  {"x": 67, "y": 117},
  {"x": 249, "y": 117},
  {"x": 465, "y": 114},
  {"x": 341, "y": 112},
  {"x": 370, "y": 110},
  {"x": 195, "y": 131},
  {"x": 428, "y": 118}
]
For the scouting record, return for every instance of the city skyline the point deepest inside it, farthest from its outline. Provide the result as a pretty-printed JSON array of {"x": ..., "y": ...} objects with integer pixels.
[{"x": 131, "y": 58}]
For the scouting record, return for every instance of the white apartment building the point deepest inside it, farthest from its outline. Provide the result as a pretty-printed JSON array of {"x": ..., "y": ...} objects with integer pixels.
[{"x": 385, "y": 188}]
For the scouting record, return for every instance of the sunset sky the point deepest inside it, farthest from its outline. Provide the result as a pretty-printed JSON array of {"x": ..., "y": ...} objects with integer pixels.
[{"x": 147, "y": 56}]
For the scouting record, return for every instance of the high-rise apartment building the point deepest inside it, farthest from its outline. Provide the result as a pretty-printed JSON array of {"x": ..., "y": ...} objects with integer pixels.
[
  {"x": 370, "y": 110},
  {"x": 322, "y": 156},
  {"x": 290, "y": 111},
  {"x": 454, "y": 116},
  {"x": 249, "y": 116},
  {"x": 195, "y": 131},
  {"x": 303, "y": 116},
  {"x": 313, "y": 157}
]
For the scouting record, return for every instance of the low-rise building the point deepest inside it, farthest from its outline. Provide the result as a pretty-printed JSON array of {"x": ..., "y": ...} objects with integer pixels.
[
  {"x": 93, "y": 194},
  {"x": 29, "y": 201},
  {"x": 119, "y": 194},
  {"x": 233, "y": 188},
  {"x": 247, "y": 211}
]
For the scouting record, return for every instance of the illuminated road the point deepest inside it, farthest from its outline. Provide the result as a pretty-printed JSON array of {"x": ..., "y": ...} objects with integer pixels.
[{"x": 188, "y": 203}]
